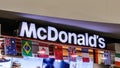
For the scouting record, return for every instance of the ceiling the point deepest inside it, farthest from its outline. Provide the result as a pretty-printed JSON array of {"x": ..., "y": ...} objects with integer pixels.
[
  {"x": 91, "y": 10},
  {"x": 104, "y": 29}
]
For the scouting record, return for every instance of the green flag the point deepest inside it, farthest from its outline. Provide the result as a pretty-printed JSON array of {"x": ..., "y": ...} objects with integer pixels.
[{"x": 26, "y": 48}]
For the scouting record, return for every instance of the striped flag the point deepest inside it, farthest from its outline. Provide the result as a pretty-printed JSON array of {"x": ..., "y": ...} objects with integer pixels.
[
  {"x": 98, "y": 56},
  {"x": 65, "y": 52},
  {"x": 51, "y": 51},
  {"x": 85, "y": 55},
  {"x": 117, "y": 59},
  {"x": 107, "y": 57},
  {"x": 91, "y": 54},
  {"x": 18, "y": 46},
  {"x": 79, "y": 51},
  {"x": 43, "y": 50},
  {"x": 35, "y": 48}
]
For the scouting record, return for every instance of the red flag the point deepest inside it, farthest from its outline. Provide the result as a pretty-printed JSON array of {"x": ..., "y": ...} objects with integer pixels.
[
  {"x": 43, "y": 50},
  {"x": 85, "y": 59},
  {"x": 58, "y": 53}
]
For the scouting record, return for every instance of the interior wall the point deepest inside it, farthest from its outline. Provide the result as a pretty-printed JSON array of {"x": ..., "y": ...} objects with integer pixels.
[{"x": 90, "y": 10}]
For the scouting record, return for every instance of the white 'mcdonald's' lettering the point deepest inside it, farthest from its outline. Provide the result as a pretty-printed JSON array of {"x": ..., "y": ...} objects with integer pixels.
[{"x": 52, "y": 34}]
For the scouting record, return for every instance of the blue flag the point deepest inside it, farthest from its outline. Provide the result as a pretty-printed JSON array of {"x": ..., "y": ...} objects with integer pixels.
[
  {"x": 107, "y": 56},
  {"x": 10, "y": 46}
]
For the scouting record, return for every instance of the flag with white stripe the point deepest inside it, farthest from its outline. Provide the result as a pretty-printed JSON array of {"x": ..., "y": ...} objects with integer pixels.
[
  {"x": 85, "y": 55},
  {"x": 43, "y": 50},
  {"x": 117, "y": 59}
]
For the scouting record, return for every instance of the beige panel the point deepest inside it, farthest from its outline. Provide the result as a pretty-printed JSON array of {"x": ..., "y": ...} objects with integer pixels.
[
  {"x": 117, "y": 47},
  {"x": 92, "y": 10},
  {"x": 114, "y": 10}
]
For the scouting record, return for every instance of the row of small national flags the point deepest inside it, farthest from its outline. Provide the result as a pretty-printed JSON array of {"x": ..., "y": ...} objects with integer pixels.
[
  {"x": 58, "y": 52},
  {"x": 103, "y": 57}
]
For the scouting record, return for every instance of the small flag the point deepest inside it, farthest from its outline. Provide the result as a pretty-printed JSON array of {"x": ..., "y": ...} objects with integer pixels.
[
  {"x": 43, "y": 50},
  {"x": 98, "y": 56},
  {"x": 10, "y": 46},
  {"x": 107, "y": 58},
  {"x": 35, "y": 50},
  {"x": 117, "y": 59},
  {"x": 91, "y": 54},
  {"x": 79, "y": 51},
  {"x": 65, "y": 52},
  {"x": 18, "y": 46},
  {"x": 72, "y": 53},
  {"x": 58, "y": 53},
  {"x": 51, "y": 51},
  {"x": 26, "y": 48},
  {"x": 85, "y": 55}
]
